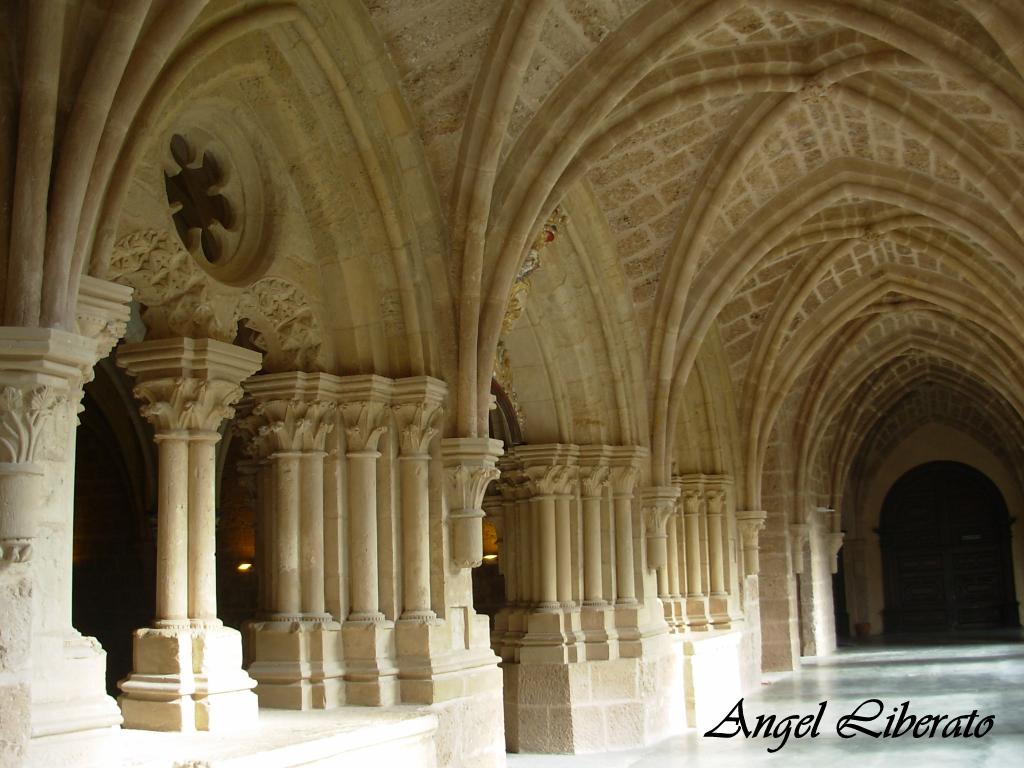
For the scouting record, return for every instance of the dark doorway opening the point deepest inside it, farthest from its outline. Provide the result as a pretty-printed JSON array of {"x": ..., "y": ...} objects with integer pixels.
[{"x": 945, "y": 537}]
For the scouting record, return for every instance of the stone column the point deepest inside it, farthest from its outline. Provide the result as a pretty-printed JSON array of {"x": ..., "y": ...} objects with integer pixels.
[
  {"x": 673, "y": 615},
  {"x": 593, "y": 481},
  {"x": 750, "y": 524},
  {"x": 635, "y": 605},
  {"x": 296, "y": 650},
  {"x": 696, "y": 596},
  {"x": 716, "y": 494},
  {"x": 623, "y": 482},
  {"x": 659, "y": 504},
  {"x": 798, "y": 535},
  {"x": 598, "y": 615},
  {"x": 41, "y": 373},
  {"x": 552, "y": 629},
  {"x": 187, "y": 671},
  {"x": 370, "y": 665},
  {"x": 417, "y": 405},
  {"x": 69, "y": 670}
]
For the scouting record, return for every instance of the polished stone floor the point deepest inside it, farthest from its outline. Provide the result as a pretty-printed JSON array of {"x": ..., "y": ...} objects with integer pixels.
[{"x": 942, "y": 675}]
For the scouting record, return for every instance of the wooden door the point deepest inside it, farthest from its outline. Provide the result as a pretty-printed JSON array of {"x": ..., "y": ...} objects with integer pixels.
[{"x": 945, "y": 548}]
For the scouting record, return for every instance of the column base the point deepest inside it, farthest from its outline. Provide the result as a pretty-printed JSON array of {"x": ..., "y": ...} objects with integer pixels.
[
  {"x": 434, "y": 665},
  {"x": 552, "y": 638},
  {"x": 697, "y": 614},
  {"x": 188, "y": 679},
  {"x": 600, "y": 640},
  {"x": 69, "y": 686},
  {"x": 675, "y": 613},
  {"x": 718, "y": 611},
  {"x": 297, "y": 664},
  {"x": 371, "y": 678}
]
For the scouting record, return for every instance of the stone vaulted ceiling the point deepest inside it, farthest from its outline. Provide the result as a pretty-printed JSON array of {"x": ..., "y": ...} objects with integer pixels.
[{"x": 834, "y": 186}]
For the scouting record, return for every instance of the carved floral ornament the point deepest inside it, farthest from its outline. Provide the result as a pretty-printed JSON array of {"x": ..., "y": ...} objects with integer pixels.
[
  {"x": 25, "y": 415},
  {"x": 187, "y": 403},
  {"x": 182, "y": 299}
]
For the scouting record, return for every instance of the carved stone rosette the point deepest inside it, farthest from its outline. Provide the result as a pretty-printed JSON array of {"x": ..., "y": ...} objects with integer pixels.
[
  {"x": 470, "y": 464},
  {"x": 659, "y": 502}
]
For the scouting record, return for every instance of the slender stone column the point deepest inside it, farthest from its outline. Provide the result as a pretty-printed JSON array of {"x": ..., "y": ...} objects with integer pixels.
[
  {"x": 417, "y": 406},
  {"x": 288, "y": 593},
  {"x": 750, "y": 524},
  {"x": 716, "y": 494},
  {"x": 172, "y": 530},
  {"x": 188, "y": 668},
  {"x": 371, "y": 674},
  {"x": 659, "y": 504},
  {"x": 296, "y": 650},
  {"x": 563, "y": 538},
  {"x": 592, "y": 484},
  {"x": 623, "y": 481},
  {"x": 696, "y": 597},
  {"x": 202, "y": 529}
]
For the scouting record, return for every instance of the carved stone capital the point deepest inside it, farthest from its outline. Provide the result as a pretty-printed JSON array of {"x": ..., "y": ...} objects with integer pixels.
[
  {"x": 292, "y": 411},
  {"x": 187, "y": 404},
  {"x": 551, "y": 481},
  {"x": 364, "y": 405},
  {"x": 416, "y": 403},
  {"x": 295, "y": 425},
  {"x": 187, "y": 384},
  {"x": 693, "y": 498},
  {"x": 624, "y": 468},
  {"x": 469, "y": 466},
  {"x": 593, "y": 481},
  {"x": 41, "y": 374}
]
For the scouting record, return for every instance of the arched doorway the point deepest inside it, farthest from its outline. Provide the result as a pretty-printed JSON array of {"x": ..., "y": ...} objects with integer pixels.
[{"x": 945, "y": 537}]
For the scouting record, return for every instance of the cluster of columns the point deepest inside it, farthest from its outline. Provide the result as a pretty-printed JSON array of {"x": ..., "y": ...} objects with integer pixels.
[
  {"x": 567, "y": 527},
  {"x": 695, "y": 586},
  {"x": 345, "y": 466}
]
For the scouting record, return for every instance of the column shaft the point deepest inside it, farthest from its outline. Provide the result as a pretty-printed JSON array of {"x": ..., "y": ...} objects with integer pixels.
[
  {"x": 694, "y": 580},
  {"x": 593, "y": 589},
  {"x": 172, "y": 530},
  {"x": 311, "y": 533},
  {"x": 202, "y": 529},
  {"x": 287, "y": 593},
  {"x": 415, "y": 535},
  {"x": 563, "y": 534},
  {"x": 673, "y": 556},
  {"x": 716, "y": 554},
  {"x": 362, "y": 542},
  {"x": 626, "y": 587},
  {"x": 548, "y": 552}
]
